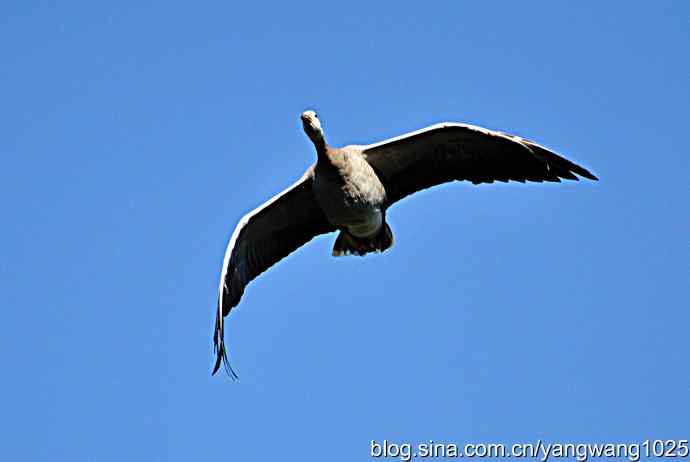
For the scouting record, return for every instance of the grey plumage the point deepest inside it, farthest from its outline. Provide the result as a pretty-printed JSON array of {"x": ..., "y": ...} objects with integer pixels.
[{"x": 350, "y": 188}]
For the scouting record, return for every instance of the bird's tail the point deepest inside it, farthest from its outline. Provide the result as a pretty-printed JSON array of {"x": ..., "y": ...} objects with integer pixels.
[
  {"x": 347, "y": 244},
  {"x": 219, "y": 346}
]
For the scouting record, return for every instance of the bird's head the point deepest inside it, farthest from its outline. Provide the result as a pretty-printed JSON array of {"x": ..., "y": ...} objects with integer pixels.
[{"x": 312, "y": 127}]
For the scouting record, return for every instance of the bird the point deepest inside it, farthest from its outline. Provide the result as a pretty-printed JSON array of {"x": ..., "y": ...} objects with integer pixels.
[{"x": 350, "y": 189}]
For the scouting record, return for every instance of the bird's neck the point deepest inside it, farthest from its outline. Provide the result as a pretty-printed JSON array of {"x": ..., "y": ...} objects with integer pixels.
[{"x": 320, "y": 144}]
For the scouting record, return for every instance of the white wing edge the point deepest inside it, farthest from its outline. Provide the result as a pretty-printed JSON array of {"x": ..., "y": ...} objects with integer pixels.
[
  {"x": 219, "y": 334},
  {"x": 238, "y": 229},
  {"x": 475, "y": 128}
]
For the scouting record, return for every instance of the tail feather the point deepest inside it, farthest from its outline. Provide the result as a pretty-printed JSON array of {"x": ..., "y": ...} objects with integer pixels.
[{"x": 347, "y": 244}]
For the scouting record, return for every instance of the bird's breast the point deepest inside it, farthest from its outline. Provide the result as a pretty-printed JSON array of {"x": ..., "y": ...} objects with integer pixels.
[{"x": 349, "y": 192}]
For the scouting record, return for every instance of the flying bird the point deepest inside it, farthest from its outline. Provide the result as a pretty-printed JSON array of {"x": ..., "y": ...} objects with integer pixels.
[{"x": 350, "y": 190}]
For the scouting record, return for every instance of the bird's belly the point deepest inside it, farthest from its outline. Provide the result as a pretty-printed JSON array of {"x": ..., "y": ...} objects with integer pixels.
[
  {"x": 362, "y": 219},
  {"x": 357, "y": 210},
  {"x": 369, "y": 226},
  {"x": 358, "y": 220}
]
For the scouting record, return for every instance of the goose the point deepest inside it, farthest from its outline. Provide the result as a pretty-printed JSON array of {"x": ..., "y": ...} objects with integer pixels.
[{"x": 350, "y": 190}]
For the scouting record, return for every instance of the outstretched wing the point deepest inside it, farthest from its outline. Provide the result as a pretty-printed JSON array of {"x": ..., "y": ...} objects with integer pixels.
[
  {"x": 449, "y": 151},
  {"x": 262, "y": 238}
]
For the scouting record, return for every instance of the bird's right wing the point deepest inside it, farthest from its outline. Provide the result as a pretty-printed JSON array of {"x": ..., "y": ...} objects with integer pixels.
[{"x": 262, "y": 238}]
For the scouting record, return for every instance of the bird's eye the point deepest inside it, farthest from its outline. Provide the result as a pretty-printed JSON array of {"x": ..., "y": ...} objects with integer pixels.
[{"x": 316, "y": 115}]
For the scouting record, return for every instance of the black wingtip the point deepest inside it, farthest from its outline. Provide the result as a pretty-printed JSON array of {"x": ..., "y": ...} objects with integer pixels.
[
  {"x": 567, "y": 168},
  {"x": 583, "y": 172},
  {"x": 219, "y": 360},
  {"x": 222, "y": 358},
  {"x": 219, "y": 347}
]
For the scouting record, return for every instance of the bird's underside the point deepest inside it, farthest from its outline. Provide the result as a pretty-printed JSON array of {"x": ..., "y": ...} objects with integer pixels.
[{"x": 350, "y": 189}]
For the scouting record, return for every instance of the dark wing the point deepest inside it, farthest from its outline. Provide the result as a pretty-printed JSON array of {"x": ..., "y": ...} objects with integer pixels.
[
  {"x": 449, "y": 151},
  {"x": 262, "y": 238}
]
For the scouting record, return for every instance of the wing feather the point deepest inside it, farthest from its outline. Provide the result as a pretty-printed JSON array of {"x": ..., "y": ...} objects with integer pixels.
[
  {"x": 263, "y": 237},
  {"x": 450, "y": 151}
]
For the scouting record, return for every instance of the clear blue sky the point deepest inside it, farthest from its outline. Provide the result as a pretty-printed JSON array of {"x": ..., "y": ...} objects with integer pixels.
[{"x": 135, "y": 136}]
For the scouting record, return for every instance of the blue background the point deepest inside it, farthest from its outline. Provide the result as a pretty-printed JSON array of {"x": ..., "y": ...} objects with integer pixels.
[{"x": 134, "y": 137}]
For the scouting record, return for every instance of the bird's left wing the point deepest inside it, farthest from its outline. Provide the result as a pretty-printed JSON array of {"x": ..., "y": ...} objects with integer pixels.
[
  {"x": 262, "y": 238},
  {"x": 452, "y": 151}
]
